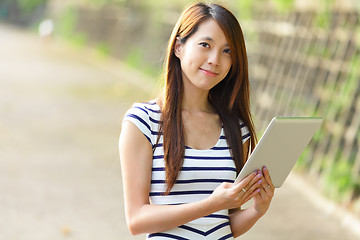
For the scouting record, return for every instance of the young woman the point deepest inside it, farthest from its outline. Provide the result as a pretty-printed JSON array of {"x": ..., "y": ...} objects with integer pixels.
[{"x": 180, "y": 153}]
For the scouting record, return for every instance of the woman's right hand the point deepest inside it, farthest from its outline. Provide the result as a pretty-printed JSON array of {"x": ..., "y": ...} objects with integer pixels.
[{"x": 234, "y": 195}]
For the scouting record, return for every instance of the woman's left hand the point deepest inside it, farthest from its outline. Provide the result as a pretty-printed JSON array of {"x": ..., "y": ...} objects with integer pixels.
[{"x": 263, "y": 199}]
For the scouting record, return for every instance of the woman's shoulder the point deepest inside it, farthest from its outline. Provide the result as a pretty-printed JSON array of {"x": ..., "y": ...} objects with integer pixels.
[
  {"x": 146, "y": 116},
  {"x": 148, "y": 113},
  {"x": 149, "y": 108}
]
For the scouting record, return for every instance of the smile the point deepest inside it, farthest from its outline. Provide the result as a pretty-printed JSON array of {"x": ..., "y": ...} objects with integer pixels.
[{"x": 209, "y": 73}]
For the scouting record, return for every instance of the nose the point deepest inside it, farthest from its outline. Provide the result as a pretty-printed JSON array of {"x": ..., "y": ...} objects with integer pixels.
[{"x": 214, "y": 58}]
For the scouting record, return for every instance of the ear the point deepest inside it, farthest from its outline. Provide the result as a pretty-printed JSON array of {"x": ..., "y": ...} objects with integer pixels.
[{"x": 177, "y": 47}]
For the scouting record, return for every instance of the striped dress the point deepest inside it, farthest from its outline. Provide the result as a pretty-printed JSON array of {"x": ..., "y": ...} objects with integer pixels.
[{"x": 201, "y": 173}]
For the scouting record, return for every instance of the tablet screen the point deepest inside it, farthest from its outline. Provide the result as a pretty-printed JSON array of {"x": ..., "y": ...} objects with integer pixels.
[{"x": 281, "y": 146}]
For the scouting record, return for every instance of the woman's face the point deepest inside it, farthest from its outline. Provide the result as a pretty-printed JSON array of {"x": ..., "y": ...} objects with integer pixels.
[{"x": 205, "y": 56}]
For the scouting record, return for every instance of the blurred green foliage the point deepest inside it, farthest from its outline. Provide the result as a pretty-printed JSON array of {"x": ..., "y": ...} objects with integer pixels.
[
  {"x": 103, "y": 48},
  {"x": 28, "y": 6},
  {"x": 25, "y": 6},
  {"x": 339, "y": 181},
  {"x": 324, "y": 15},
  {"x": 66, "y": 27},
  {"x": 284, "y": 6},
  {"x": 134, "y": 57}
]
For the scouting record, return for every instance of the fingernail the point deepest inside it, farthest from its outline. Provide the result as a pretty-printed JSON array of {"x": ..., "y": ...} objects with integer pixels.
[
  {"x": 265, "y": 168},
  {"x": 260, "y": 181},
  {"x": 258, "y": 190}
]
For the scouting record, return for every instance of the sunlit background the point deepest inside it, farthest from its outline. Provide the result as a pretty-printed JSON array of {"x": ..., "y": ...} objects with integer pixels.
[{"x": 70, "y": 68}]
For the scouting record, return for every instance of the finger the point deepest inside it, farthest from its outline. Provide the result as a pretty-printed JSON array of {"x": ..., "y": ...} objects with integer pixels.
[
  {"x": 243, "y": 183},
  {"x": 262, "y": 193},
  {"x": 265, "y": 185},
  {"x": 266, "y": 188},
  {"x": 254, "y": 188},
  {"x": 255, "y": 179},
  {"x": 251, "y": 186},
  {"x": 253, "y": 194},
  {"x": 255, "y": 183},
  {"x": 270, "y": 191},
  {"x": 267, "y": 177}
]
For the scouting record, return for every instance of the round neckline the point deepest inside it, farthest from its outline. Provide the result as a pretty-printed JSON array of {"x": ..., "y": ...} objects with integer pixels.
[
  {"x": 188, "y": 147},
  {"x": 216, "y": 144}
]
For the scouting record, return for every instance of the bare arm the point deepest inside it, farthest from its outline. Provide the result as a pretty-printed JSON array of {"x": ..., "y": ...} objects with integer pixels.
[
  {"x": 242, "y": 220},
  {"x": 141, "y": 216}
]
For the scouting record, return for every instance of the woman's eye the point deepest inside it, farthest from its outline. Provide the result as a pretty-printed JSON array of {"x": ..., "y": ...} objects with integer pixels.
[
  {"x": 204, "y": 44},
  {"x": 227, "y": 51}
]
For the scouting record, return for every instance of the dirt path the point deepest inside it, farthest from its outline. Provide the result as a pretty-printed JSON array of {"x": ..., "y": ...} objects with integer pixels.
[{"x": 60, "y": 116}]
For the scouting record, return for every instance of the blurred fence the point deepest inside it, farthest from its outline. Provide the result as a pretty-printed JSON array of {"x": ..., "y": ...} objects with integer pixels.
[
  {"x": 134, "y": 31},
  {"x": 300, "y": 68}
]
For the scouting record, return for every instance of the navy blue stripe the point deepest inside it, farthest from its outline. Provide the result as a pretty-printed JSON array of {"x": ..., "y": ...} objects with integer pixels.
[
  {"x": 142, "y": 110},
  {"x": 143, "y": 122},
  {"x": 148, "y": 138},
  {"x": 150, "y": 103},
  {"x": 139, "y": 119},
  {"x": 152, "y": 110},
  {"x": 208, "y": 169},
  {"x": 170, "y": 203},
  {"x": 246, "y": 136},
  {"x": 159, "y": 145},
  {"x": 217, "y": 228},
  {"x": 226, "y": 237},
  {"x": 207, "y": 158},
  {"x": 193, "y": 230},
  {"x": 220, "y": 148},
  {"x": 166, "y": 235},
  {"x": 176, "y": 193},
  {"x": 222, "y": 137},
  {"x": 195, "y": 181},
  {"x": 199, "y": 169},
  {"x": 242, "y": 125},
  {"x": 217, "y": 216},
  {"x": 197, "y": 157},
  {"x": 154, "y": 120}
]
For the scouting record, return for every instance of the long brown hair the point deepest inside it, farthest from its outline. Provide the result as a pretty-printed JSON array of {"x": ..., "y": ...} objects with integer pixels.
[{"x": 230, "y": 98}]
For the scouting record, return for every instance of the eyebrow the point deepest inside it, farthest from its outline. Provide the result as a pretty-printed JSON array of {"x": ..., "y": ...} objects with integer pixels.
[{"x": 210, "y": 39}]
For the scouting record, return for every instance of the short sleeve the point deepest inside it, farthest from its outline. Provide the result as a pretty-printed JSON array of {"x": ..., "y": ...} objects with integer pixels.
[
  {"x": 139, "y": 115},
  {"x": 244, "y": 131}
]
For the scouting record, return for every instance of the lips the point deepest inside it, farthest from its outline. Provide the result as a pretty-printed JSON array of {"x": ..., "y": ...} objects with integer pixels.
[{"x": 209, "y": 72}]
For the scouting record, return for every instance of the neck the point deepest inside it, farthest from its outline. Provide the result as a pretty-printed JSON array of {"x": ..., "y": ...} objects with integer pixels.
[{"x": 195, "y": 100}]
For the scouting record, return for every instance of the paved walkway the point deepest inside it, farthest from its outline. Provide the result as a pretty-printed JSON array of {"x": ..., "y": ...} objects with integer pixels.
[{"x": 60, "y": 116}]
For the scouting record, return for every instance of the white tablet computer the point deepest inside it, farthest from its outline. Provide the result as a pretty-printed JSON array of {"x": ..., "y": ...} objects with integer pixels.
[{"x": 280, "y": 147}]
